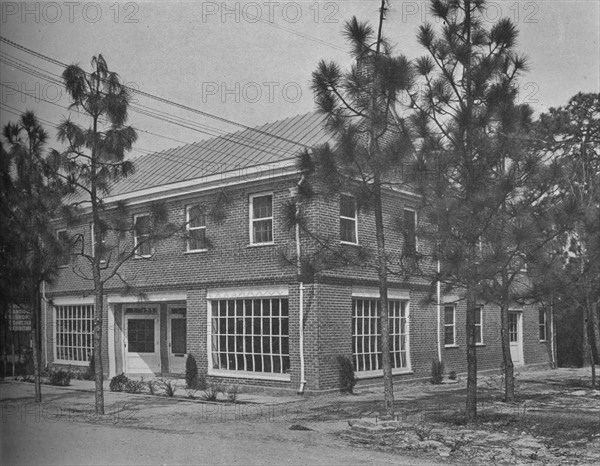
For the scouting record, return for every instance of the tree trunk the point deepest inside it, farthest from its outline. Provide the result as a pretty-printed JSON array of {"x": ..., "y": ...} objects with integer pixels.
[
  {"x": 471, "y": 408},
  {"x": 35, "y": 340},
  {"x": 98, "y": 318},
  {"x": 596, "y": 333},
  {"x": 509, "y": 368},
  {"x": 388, "y": 388}
]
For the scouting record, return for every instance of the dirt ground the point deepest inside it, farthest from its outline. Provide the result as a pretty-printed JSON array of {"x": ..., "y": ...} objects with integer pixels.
[{"x": 555, "y": 420}]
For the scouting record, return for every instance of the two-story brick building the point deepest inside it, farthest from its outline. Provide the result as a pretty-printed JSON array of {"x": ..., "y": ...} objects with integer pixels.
[{"x": 222, "y": 290}]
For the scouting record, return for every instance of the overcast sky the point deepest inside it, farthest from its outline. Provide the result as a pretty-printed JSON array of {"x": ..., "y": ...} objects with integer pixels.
[{"x": 251, "y": 62}]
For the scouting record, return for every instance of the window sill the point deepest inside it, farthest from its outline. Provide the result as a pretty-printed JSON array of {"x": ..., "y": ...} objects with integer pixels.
[
  {"x": 379, "y": 373},
  {"x": 349, "y": 244},
  {"x": 71, "y": 363},
  {"x": 480, "y": 344},
  {"x": 451, "y": 346},
  {"x": 143, "y": 257},
  {"x": 543, "y": 341},
  {"x": 195, "y": 251},
  {"x": 258, "y": 245},
  {"x": 248, "y": 375}
]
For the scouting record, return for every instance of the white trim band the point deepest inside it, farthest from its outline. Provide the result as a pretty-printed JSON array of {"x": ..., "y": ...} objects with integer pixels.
[
  {"x": 248, "y": 292},
  {"x": 148, "y": 297},
  {"x": 371, "y": 292}
]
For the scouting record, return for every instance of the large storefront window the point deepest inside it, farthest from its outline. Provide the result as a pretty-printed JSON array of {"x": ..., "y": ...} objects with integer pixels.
[
  {"x": 74, "y": 331},
  {"x": 366, "y": 334},
  {"x": 250, "y": 335}
]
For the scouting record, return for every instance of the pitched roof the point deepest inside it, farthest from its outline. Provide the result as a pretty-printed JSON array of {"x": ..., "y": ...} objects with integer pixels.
[{"x": 273, "y": 142}]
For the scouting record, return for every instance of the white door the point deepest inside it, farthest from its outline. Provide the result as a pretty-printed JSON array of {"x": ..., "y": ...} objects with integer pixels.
[
  {"x": 142, "y": 347},
  {"x": 177, "y": 343},
  {"x": 515, "y": 334}
]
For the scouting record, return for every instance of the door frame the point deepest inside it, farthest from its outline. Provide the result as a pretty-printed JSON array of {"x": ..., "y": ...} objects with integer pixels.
[
  {"x": 136, "y": 312},
  {"x": 519, "y": 314},
  {"x": 170, "y": 317}
]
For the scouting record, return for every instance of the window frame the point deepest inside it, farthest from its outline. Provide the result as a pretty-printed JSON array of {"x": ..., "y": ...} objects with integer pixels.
[
  {"x": 544, "y": 325},
  {"x": 137, "y": 254},
  {"x": 189, "y": 228},
  {"x": 453, "y": 325},
  {"x": 65, "y": 258},
  {"x": 416, "y": 239},
  {"x": 256, "y": 318},
  {"x": 479, "y": 311},
  {"x": 352, "y": 219},
  {"x": 252, "y": 220},
  {"x": 399, "y": 354},
  {"x": 94, "y": 242},
  {"x": 69, "y": 335}
]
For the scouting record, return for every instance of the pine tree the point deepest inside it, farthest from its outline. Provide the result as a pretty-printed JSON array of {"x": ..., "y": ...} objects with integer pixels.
[
  {"x": 31, "y": 195},
  {"x": 468, "y": 75},
  {"x": 371, "y": 141}
]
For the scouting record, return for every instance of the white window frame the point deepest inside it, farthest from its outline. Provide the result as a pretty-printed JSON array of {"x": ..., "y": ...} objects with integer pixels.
[
  {"x": 453, "y": 325},
  {"x": 74, "y": 312},
  {"x": 58, "y": 232},
  {"x": 189, "y": 228},
  {"x": 544, "y": 324},
  {"x": 353, "y": 219},
  {"x": 394, "y": 331},
  {"x": 135, "y": 236},
  {"x": 481, "y": 341},
  {"x": 252, "y": 219},
  {"x": 232, "y": 295},
  {"x": 414, "y": 211}
]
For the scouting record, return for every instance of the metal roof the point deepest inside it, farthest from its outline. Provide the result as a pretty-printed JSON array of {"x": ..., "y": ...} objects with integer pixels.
[{"x": 269, "y": 143}]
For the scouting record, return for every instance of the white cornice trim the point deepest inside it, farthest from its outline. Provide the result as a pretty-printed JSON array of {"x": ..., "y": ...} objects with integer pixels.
[
  {"x": 148, "y": 298},
  {"x": 72, "y": 300},
  {"x": 371, "y": 292},
  {"x": 248, "y": 292}
]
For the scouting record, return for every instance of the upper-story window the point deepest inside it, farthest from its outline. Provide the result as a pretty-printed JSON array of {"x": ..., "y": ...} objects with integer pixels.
[
  {"x": 65, "y": 251},
  {"x": 196, "y": 227},
  {"x": 410, "y": 232},
  {"x": 94, "y": 247},
  {"x": 348, "y": 220},
  {"x": 261, "y": 219},
  {"x": 449, "y": 325},
  {"x": 479, "y": 325},
  {"x": 543, "y": 324},
  {"x": 141, "y": 237}
]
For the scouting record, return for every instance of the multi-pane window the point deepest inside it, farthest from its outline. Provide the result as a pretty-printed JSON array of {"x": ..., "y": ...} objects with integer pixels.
[
  {"x": 74, "y": 332},
  {"x": 479, "y": 325},
  {"x": 250, "y": 335},
  {"x": 410, "y": 232},
  {"x": 449, "y": 325},
  {"x": 513, "y": 327},
  {"x": 65, "y": 250},
  {"x": 366, "y": 334},
  {"x": 141, "y": 227},
  {"x": 196, "y": 227},
  {"x": 261, "y": 218},
  {"x": 140, "y": 335},
  {"x": 543, "y": 322},
  {"x": 94, "y": 247},
  {"x": 348, "y": 220}
]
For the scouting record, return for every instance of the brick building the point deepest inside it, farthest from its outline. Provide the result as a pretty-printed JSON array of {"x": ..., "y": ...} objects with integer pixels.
[{"x": 222, "y": 289}]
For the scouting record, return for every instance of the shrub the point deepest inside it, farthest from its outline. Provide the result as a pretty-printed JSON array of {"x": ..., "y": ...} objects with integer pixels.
[
  {"x": 90, "y": 373},
  {"x": 191, "y": 372},
  {"x": 452, "y": 375},
  {"x": 437, "y": 372},
  {"x": 202, "y": 384},
  {"x": 134, "y": 386},
  {"x": 59, "y": 377},
  {"x": 151, "y": 384},
  {"x": 212, "y": 392},
  {"x": 346, "y": 370},
  {"x": 232, "y": 393},
  {"x": 168, "y": 385},
  {"x": 118, "y": 383}
]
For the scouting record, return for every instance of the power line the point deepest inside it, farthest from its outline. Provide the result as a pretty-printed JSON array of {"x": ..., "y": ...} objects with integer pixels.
[{"x": 161, "y": 99}]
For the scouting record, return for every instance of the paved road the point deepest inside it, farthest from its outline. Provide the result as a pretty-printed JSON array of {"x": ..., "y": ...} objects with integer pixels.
[{"x": 160, "y": 431}]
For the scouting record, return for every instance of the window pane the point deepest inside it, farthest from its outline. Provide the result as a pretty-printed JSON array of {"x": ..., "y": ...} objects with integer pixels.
[
  {"x": 195, "y": 217},
  {"x": 347, "y": 206},
  {"x": 263, "y": 231},
  {"x": 348, "y": 230},
  {"x": 178, "y": 338},
  {"x": 262, "y": 206}
]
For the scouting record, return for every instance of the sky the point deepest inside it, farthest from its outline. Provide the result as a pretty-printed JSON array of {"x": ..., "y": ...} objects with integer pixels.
[{"x": 251, "y": 62}]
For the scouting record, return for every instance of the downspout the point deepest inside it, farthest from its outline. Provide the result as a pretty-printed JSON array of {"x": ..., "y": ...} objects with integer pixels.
[
  {"x": 45, "y": 323},
  {"x": 301, "y": 292},
  {"x": 552, "y": 335},
  {"x": 439, "y": 314}
]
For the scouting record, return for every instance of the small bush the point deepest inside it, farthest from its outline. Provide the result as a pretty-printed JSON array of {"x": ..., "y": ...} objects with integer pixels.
[
  {"x": 191, "y": 372},
  {"x": 151, "y": 384},
  {"x": 191, "y": 393},
  {"x": 212, "y": 392},
  {"x": 232, "y": 393},
  {"x": 59, "y": 377},
  {"x": 168, "y": 385},
  {"x": 90, "y": 373},
  {"x": 437, "y": 372},
  {"x": 202, "y": 384},
  {"x": 118, "y": 383},
  {"x": 346, "y": 372},
  {"x": 452, "y": 375},
  {"x": 135, "y": 386}
]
